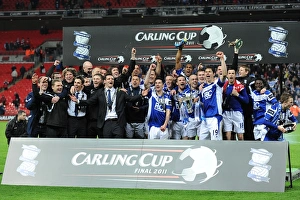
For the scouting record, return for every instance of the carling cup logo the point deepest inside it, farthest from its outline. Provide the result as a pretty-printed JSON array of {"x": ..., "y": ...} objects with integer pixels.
[{"x": 197, "y": 165}]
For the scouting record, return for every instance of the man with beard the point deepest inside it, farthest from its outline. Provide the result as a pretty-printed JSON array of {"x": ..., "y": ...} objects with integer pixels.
[
  {"x": 261, "y": 103},
  {"x": 234, "y": 95}
]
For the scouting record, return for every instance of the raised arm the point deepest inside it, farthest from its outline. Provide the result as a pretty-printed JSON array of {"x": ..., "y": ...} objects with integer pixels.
[
  {"x": 147, "y": 83},
  {"x": 180, "y": 46},
  {"x": 237, "y": 44},
  {"x": 132, "y": 61},
  {"x": 158, "y": 65},
  {"x": 220, "y": 55},
  {"x": 52, "y": 68}
]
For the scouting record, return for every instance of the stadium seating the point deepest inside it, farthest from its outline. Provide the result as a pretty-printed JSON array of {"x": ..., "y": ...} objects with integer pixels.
[
  {"x": 34, "y": 36},
  {"x": 10, "y": 5},
  {"x": 22, "y": 87},
  {"x": 6, "y": 70},
  {"x": 47, "y": 66}
]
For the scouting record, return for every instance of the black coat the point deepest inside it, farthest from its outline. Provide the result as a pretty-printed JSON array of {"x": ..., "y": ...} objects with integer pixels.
[
  {"x": 15, "y": 129},
  {"x": 100, "y": 100}
]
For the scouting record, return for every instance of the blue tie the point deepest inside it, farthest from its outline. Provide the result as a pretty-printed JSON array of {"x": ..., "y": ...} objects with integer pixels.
[
  {"x": 76, "y": 106},
  {"x": 109, "y": 99}
]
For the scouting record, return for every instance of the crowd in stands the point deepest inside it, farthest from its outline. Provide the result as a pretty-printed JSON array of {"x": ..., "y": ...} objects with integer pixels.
[
  {"x": 30, "y": 51},
  {"x": 222, "y": 2},
  {"x": 185, "y": 102},
  {"x": 17, "y": 73},
  {"x": 17, "y": 44},
  {"x": 84, "y": 4},
  {"x": 28, "y": 43},
  {"x": 2, "y": 105},
  {"x": 31, "y": 5}
]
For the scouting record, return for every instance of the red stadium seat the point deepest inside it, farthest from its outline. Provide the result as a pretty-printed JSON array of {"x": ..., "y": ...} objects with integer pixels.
[{"x": 34, "y": 37}]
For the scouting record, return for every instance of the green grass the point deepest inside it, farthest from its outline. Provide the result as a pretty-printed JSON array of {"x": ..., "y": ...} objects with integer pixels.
[{"x": 8, "y": 192}]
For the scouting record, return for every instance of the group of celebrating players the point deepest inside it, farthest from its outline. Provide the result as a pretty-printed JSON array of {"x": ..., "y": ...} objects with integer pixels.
[{"x": 186, "y": 104}]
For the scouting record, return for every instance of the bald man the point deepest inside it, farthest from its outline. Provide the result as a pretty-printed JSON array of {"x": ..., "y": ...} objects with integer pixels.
[{"x": 87, "y": 68}]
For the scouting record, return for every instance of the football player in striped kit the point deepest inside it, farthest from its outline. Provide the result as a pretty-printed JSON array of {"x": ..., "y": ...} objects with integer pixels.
[
  {"x": 159, "y": 111},
  {"x": 261, "y": 102},
  {"x": 211, "y": 97},
  {"x": 181, "y": 109},
  {"x": 278, "y": 116}
]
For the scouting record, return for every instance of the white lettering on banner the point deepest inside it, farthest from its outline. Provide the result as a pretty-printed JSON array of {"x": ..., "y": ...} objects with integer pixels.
[
  {"x": 162, "y": 162},
  {"x": 108, "y": 59},
  {"x": 247, "y": 57},
  {"x": 150, "y": 171},
  {"x": 154, "y": 36},
  {"x": 189, "y": 36},
  {"x": 103, "y": 59},
  {"x": 209, "y": 57},
  {"x": 145, "y": 160},
  {"x": 141, "y": 36},
  {"x": 169, "y": 58},
  {"x": 6, "y": 118}
]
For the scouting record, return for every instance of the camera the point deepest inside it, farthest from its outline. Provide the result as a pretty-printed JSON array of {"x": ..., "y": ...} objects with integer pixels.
[{"x": 288, "y": 127}]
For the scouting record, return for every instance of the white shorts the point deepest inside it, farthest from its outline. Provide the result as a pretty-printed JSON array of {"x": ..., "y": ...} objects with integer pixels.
[
  {"x": 156, "y": 133},
  {"x": 210, "y": 129},
  {"x": 177, "y": 129},
  {"x": 260, "y": 132},
  {"x": 191, "y": 128},
  {"x": 135, "y": 130},
  {"x": 233, "y": 121}
]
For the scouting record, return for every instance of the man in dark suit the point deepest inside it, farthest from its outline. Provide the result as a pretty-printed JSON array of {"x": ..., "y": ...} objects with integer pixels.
[{"x": 111, "y": 107}]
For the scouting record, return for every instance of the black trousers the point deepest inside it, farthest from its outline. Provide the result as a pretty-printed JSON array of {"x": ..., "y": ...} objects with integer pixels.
[
  {"x": 76, "y": 127},
  {"x": 56, "y": 132},
  {"x": 39, "y": 131},
  {"x": 112, "y": 129},
  {"x": 93, "y": 131},
  {"x": 248, "y": 123}
]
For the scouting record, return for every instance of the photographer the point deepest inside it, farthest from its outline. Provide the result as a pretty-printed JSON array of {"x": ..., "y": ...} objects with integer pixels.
[{"x": 17, "y": 126}]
